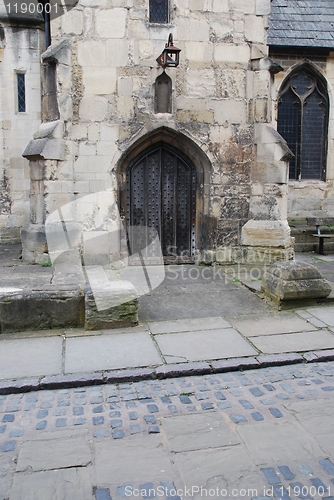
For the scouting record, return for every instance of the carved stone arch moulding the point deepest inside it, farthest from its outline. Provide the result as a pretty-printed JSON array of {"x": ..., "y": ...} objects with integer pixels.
[{"x": 176, "y": 164}]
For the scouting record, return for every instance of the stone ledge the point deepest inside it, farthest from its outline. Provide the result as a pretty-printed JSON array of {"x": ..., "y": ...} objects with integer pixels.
[
  {"x": 10, "y": 236},
  {"x": 183, "y": 369},
  {"x": 130, "y": 375},
  {"x": 47, "y": 308},
  {"x": 226, "y": 365},
  {"x": 41, "y": 309},
  {"x": 45, "y": 149},
  {"x": 64, "y": 306},
  {"x": 71, "y": 380},
  {"x": 289, "y": 358},
  {"x": 325, "y": 355},
  {"x": 310, "y": 357},
  {"x": 17, "y": 386}
]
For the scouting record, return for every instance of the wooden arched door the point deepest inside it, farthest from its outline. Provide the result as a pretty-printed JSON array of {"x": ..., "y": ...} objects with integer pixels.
[{"x": 161, "y": 194}]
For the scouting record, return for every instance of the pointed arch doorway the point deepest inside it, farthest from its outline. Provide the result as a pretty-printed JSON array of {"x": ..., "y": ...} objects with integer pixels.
[{"x": 161, "y": 194}]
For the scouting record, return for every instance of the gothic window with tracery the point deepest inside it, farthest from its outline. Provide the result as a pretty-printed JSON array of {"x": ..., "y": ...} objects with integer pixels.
[{"x": 303, "y": 107}]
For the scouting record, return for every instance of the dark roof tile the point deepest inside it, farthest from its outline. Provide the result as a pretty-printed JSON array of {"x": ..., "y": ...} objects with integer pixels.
[{"x": 302, "y": 23}]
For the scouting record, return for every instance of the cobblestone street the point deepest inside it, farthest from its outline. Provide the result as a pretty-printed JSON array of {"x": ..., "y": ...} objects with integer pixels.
[
  {"x": 253, "y": 434},
  {"x": 167, "y": 250}
]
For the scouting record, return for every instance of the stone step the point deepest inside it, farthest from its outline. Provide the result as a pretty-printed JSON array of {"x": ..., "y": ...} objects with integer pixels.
[
  {"x": 48, "y": 307},
  {"x": 52, "y": 307}
]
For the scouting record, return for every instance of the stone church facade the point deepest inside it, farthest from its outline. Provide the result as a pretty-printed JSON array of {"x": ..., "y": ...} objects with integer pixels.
[
  {"x": 191, "y": 151},
  {"x": 20, "y": 48},
  {"x": 301, "y": 40}
]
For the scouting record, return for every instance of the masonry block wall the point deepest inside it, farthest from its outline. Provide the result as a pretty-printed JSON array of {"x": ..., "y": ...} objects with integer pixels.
[
  {"x": 20, "y": 49},
  {"x": 310, "y": 198},
  {"x": 221, "y": 103}
]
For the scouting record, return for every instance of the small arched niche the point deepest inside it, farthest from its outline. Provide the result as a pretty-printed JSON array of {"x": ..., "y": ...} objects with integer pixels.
[{"x": 163, "y": 94}]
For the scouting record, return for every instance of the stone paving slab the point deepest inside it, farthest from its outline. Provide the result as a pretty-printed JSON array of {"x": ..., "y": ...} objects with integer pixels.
[
  {"x": 189, "y": 274},
  {"x": 144, "y": 460},
  {"x": 188, "y": 325},
  {"x": 205, "y": 287},
  {"x": 105, "y": 352},
  {"x": 323, "y": 314},
  {"x": 225, "y": 469},
  {"x": 309, "y": 413},
  {"x": 271, "y": 324},
  {"x": 30, "y": 357},
  {"x": 55, "y": 451},
  {"x": 231, "y": 302},
  {"x": 279, "y": 443},
  {"x": 198, "y": 431},
  {"x": 294, "y": 342},
  {"x": 202, "y": 345},
  {"x": 67, "y": 484},
  {"x": 81, "y": 332},
  {"x": 7, "y": 467}
]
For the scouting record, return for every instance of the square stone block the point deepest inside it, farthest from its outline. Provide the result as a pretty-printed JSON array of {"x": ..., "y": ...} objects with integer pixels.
[
  {"x": 107, "y": 352},
  {"x": 71, "y": 483},
  {"x": 203, "y": 345},
  {"x": 294, "y": 342},
  {"x": 198, "y": 431},
  {"x": 70, "y": 449},
  {"x": 21, "y": 358},
  {"x": 132, "y": 461},
  {"x": 274, "y": 324}
]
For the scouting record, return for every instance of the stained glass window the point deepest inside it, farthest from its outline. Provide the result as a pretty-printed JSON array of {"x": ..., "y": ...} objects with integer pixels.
[
  {"x": 159, "y": 11},
  {"x": 21, "y": 92},
  {"x": 303, "y": 122}
]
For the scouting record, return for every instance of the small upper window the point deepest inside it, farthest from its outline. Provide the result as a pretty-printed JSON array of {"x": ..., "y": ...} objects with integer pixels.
[
  {"x": 159, "y": 11},
  {"x": 21, "y": 93}
]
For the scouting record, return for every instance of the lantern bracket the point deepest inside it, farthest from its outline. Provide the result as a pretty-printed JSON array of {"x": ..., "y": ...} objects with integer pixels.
[{"x": 170, "y": 56}]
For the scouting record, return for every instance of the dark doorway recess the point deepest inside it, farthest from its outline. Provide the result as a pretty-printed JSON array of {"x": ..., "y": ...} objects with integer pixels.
[{"x": 161, "y": 194}]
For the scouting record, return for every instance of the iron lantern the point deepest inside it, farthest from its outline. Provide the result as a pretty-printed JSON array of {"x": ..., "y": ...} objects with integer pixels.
[{"x": 170, "y": 56}]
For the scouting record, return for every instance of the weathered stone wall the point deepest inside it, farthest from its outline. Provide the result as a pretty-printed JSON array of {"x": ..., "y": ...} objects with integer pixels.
[
  {"x": 310, "y": 198},
  {"x": 221, "y": 90},
  {"x": 20, "y": 49}
]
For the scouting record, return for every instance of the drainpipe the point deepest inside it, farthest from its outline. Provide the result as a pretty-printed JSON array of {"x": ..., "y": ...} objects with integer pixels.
[{"x": 47, "y": 25}]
